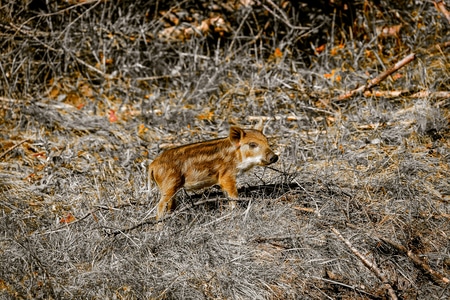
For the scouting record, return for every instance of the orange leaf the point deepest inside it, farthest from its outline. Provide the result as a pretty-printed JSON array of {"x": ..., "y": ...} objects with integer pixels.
[
  {"x": 54, "y": 92},
  {"x": 277, "y": 53},
  {"x": 112, "y": 116},
  {"x": 206, "y": 116},
  {"x": 320, "y": 48},
  {"x": 397, "y": 76},
  {"x": 329, "y": 75},
  {"x": 67, "y": 219},
  {"x": 102, "y": 57},
  {"x": 369, "y": 54},
  {"x": 39, "y": 154},
  {"x": 142, "y": 129},
  {"x": 334, "y": 51}
]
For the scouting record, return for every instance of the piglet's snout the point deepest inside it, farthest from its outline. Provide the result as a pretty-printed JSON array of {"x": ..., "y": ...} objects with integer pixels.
[{"x": 271, "y": 157}]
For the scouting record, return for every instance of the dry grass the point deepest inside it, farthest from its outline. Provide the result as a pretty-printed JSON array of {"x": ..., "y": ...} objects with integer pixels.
[{"x": 90, "y": 95}]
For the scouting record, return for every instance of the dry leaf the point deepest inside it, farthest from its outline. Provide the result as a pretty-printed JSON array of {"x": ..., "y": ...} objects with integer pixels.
[
  {"x": 74, "y": 99},
  {"x": 112, "y": 116},
  {"x": 277, "y": 53},
  {"x": 329, "y": 75},
  {"x": 54, "y": 92},
  {"x": 208, "y": 115},
  {"x": 108, "y": 61},
  {"x": 397, "y": 76},
  {"x": 320, "y": 49},
  {"x": 247, "y": 3},
  {"x": 40, "y": 155},
  {"x": 389, "y": 31},
  {"x": 67, "y": 219},
  {"x": 142, "y": 130},
  {"x": 86, "y": 90}
]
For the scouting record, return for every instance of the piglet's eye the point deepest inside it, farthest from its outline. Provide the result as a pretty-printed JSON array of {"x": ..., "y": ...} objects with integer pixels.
[{"x": 253, "y": 145}]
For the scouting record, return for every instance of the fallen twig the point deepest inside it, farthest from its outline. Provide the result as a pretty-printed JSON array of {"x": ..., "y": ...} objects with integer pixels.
[
  {"x": 275, "y": 238},
  {"x": 305, "y": 209},
  {"x": 437, "y": 277},
  {"x": 405, "y": 93},
  {"x": 266, "y": 118},
  {"x": 12, "y": 148},
  {"x": 428, "y": 94},
  {"x": 386, "y": 94},
  {"x": 352, "y": 287},
  {"x": 370, "y": 265},
  {"x": 373, "y": 126},
  {"x": 150, "y": 78},
  {"x": 371, "y": 83},
  {"x": 439, "y": 47}
]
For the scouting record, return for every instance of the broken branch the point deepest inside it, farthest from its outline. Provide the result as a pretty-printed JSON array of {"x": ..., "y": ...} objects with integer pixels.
[
  {"x": 440, "y": 6},
  {"x": 438, "y": 278},
  {"x": 371, "y": 83},
  {"x": 12, "y": 148},
  {"x": 370, "y": 265}
]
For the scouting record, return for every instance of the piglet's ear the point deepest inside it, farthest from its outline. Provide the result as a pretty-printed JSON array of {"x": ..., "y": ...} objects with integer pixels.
[{"x": 236, "y": 134}]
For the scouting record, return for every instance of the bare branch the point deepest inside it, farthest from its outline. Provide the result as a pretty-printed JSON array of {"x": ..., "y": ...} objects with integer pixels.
[
  {"x": 440, "y": 6},
  {"x": 379, "y": 78},
  {"x": 284, "y": 18},
  {"x": 370, "y": 265}
]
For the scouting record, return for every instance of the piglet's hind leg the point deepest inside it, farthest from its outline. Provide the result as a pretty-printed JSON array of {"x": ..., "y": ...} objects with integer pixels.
[{"x": 228, "y": 185}]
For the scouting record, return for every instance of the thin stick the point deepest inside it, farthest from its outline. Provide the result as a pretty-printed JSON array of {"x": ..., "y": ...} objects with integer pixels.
[
  {"x": 238, "y": 30},
  {"x": 440, "y": 6},
  {"x": 408, "y": 94},
  {"x": 266, "y": 118},
  {"x": 158, "y": 77},
  {"x": 370, "y": 265},
  {"x": 284, "y": 17},
  {"x": 428, "y": 94},
  {"x": 352, "y": 287},
  {"x": 371, "y": 83},
  {"x": 12, "y": 148},
  {"x": 439, "y": 47},
  {"x": 437, "y": 277},
  {"x": 153, "y": 221}
]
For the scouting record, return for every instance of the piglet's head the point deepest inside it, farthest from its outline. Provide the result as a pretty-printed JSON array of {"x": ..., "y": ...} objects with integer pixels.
[{"x": 253, "y": 148}]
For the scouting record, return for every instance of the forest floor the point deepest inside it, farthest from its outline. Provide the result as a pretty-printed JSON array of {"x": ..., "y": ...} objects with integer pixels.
[{"x": 357, "y": 207}]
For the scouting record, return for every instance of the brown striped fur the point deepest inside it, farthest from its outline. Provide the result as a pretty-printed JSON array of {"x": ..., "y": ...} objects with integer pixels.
[{"x": 203, "y": 164}]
